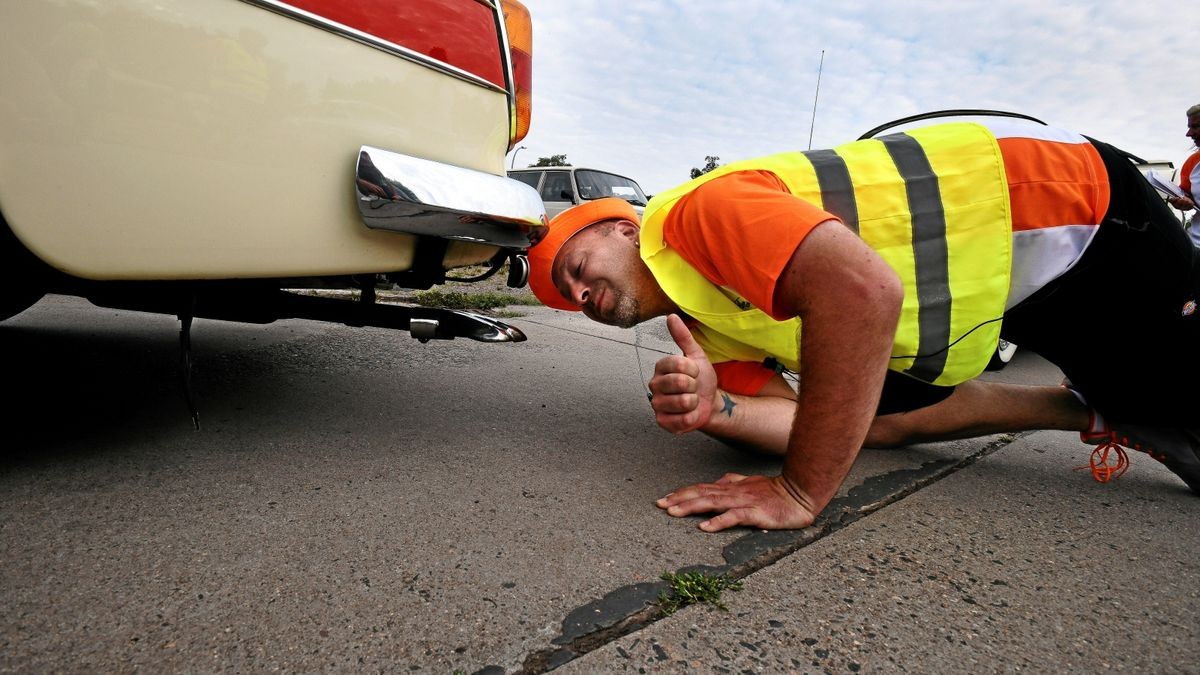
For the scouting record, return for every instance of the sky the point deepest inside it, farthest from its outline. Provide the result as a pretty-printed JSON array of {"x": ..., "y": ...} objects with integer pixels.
[{"x": 647, "y": 89}]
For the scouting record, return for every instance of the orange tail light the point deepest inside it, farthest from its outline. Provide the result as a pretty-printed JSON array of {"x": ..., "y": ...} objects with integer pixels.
[{"x": 519, "y": 28}]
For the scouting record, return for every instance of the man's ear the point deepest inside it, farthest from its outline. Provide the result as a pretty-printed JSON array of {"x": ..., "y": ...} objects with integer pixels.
[{"x": 628, "y": 229}]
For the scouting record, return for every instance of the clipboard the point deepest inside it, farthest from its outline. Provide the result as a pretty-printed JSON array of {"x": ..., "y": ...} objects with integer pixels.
[{"x": 1165, "y": 186}]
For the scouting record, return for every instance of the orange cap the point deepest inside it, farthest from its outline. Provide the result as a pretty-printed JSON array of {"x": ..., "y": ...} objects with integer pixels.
[{"x": 564, "y": 226}]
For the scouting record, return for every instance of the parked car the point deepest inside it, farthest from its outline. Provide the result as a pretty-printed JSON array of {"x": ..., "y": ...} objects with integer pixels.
[
  {"x": 561, "y": 187},
  {"x": 200, "y": 157}
]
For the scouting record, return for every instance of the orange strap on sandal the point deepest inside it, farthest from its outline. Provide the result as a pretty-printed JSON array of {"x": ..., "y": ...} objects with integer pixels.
[{"x": 1108, "y": 461}]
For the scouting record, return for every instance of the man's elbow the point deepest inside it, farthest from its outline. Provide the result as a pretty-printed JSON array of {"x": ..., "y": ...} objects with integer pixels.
[
  {"x": 873, "y": 294},
  {"x": 885, "y": 290}
]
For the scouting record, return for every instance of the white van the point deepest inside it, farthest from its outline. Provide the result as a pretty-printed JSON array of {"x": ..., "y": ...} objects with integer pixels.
[{"x": 561, "y": 187}]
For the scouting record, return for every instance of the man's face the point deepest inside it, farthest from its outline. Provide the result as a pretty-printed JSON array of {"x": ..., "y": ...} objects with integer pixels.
[
  {"x": 600, "y": 271},
  {"x": 1193, "y": 131}
]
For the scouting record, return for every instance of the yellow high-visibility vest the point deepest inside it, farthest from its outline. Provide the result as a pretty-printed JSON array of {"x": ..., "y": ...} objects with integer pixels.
[{"x": 933, "y": 202}]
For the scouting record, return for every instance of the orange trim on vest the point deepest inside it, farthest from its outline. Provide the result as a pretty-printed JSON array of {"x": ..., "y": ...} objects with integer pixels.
[{"x": 1053, "y": 184}]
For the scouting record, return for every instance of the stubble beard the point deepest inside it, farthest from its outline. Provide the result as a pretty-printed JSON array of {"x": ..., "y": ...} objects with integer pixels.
[{"x": 626, "y": 312}]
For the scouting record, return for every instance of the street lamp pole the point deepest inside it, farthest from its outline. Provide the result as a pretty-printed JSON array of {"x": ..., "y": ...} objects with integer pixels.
[{"x": 514, "y": 157}]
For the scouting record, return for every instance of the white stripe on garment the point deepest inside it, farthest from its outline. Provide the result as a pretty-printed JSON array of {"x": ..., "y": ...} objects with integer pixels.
[
  {"x": 1044, "y": 254},
  {"x": 1011, "y": 127},
  {"x": 1041, "y": 256}
]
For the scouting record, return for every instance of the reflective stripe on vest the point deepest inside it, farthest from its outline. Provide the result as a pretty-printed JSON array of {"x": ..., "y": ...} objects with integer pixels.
[{"x": 932, "y": 202}]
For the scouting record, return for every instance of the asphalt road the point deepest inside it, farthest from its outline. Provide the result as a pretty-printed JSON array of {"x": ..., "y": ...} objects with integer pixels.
[{"x": 357, "y": 501}]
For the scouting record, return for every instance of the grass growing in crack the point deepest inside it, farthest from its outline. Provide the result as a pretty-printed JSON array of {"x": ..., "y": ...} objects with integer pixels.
[
  {"x": 507, "y": 314},
  {"x": 460, "y": 300},
  {"x": 689, "y": 588}
]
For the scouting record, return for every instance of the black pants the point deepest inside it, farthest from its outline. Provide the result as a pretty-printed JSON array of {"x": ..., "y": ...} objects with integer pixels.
[
  {"x": 1117, "y": 323},
  {"x": 1123, "y": 324}
]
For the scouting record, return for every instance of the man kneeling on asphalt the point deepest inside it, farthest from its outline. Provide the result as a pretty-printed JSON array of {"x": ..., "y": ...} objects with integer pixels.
[{"x": 905, "y": 259}]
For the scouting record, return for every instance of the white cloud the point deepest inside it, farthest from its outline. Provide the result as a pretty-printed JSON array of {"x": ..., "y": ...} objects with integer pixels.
[{"x": 648, "y": 89}]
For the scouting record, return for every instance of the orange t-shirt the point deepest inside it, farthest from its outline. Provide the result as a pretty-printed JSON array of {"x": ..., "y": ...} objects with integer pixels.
[
  {"x": 1190, "y": 175},
  {"x": 740, "y": 230}
]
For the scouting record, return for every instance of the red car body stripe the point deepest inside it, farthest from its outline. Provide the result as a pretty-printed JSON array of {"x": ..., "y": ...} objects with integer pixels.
[{"x": 461, "y": 33}]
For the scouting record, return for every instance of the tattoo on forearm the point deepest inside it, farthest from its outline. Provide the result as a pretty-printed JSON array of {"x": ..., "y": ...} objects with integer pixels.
[{"x": 727, "y": 404}]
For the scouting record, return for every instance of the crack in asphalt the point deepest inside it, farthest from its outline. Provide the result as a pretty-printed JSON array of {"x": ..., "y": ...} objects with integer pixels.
[{"x": 633, "y": 607}]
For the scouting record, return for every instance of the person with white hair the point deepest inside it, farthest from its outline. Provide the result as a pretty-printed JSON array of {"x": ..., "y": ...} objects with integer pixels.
[{"x": 1189, "y": 175}]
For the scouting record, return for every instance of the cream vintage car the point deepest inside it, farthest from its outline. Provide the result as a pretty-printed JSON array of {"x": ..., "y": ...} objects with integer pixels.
[{"x": 200, "y": 157}]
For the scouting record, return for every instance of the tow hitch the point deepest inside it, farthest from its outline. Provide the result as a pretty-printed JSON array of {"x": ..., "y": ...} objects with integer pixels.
[{"x": 423, "y": 323}]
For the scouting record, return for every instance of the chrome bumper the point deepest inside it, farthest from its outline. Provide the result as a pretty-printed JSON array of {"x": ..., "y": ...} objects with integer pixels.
[{"x": 407, "y": 194}]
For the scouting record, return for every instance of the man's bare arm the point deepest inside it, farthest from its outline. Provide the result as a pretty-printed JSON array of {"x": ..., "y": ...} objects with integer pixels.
[
  {"x": 685, "y": 397},
  {"x": 763, "y": 422},
  {"x": 849, "y": 302},
  {"x": 759, "y": 423}
]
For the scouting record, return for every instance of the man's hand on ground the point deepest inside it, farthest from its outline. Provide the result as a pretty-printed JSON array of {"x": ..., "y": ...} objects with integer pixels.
[
  {"x": 755, "y": 501},
  {"x": 683, "y": 387}
]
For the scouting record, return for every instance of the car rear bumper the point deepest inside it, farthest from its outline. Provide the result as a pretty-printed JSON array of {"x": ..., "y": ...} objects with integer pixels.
[{"x": 401, "y": 193}]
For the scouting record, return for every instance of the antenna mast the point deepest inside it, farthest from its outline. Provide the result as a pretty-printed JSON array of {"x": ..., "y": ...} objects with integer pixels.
[{"x": 815, "y": 95}]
